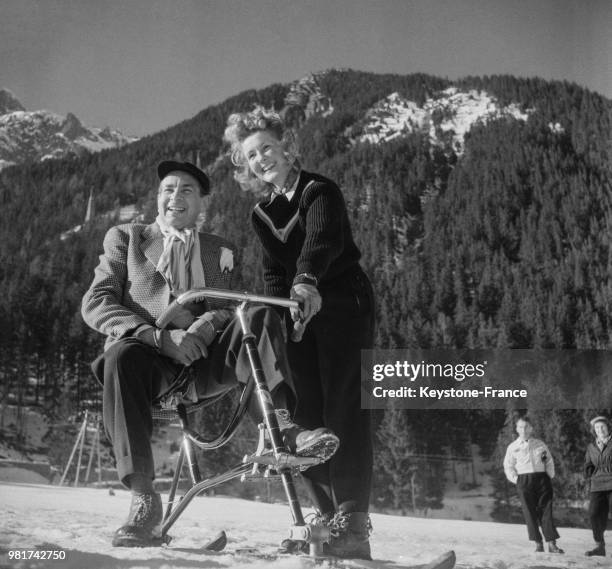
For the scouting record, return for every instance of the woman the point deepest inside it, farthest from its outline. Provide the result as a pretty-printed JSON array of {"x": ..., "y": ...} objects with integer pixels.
[
  {"x": 309, "y": 253},
  {"x": 598, "y": 471}
]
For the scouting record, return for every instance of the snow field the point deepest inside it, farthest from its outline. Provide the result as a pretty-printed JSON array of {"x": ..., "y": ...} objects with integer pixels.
[{"x": 80, "y": 521}]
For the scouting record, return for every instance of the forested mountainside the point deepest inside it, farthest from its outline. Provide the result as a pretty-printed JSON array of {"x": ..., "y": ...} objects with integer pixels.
[{"x": 481, "y": 206}]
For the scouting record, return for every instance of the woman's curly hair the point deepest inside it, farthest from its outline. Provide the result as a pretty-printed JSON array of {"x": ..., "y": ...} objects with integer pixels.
[{"x": 242, "y": 125}]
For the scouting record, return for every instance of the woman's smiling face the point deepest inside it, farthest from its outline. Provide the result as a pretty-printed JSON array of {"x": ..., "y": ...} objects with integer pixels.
[{"x": 266, "y": 157}]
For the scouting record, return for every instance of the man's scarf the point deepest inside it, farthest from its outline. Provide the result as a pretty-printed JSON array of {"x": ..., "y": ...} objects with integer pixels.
[{"x": 180, "y": 262}]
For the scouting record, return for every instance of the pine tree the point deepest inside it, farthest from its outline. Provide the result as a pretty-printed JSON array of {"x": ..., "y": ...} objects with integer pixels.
[{"x": 396, "y": 459}]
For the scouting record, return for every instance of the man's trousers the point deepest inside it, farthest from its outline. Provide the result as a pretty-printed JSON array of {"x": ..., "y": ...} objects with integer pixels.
[
  {"x": 536, "y": 495},
  {"x": 135, "y": 375}
]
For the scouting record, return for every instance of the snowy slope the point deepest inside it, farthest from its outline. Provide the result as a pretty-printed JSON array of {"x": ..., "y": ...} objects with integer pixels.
[
  {"x": 80, "y": 521},
  {"x": 445, "y": 118}
]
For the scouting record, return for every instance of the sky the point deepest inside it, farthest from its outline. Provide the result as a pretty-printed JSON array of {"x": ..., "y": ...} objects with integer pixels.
[{"x": 144, "y": 65}]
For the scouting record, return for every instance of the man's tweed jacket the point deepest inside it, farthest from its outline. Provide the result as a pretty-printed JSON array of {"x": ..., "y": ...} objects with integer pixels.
[{"x": 128, "y": 290}]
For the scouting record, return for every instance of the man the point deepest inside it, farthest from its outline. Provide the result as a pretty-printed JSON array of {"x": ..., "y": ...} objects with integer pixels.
[
  {"x": 143, "y": 268},
  {"x": 529, "y": 464}
]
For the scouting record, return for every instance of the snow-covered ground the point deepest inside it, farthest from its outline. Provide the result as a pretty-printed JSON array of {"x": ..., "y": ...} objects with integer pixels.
[{"x": 80, "y": 522}]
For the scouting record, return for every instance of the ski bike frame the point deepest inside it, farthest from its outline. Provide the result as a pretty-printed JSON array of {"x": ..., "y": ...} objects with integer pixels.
[{"x": 279, "y": 460}]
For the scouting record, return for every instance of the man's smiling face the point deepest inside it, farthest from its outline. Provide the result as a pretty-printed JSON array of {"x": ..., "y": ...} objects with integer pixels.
[{"x": 179, "y": 200}]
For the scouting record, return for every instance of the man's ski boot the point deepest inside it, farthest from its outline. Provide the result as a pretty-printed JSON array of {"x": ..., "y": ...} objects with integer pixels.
[{"x": 143, "y": 527}]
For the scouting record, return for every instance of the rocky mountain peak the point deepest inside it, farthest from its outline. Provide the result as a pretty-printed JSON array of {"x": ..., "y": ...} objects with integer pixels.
[
  {"x": 306, "y": 94},
  {"x": 9, "y": 103},
  {"x": 32, "y": 136},
  {"x": 72, "y": 128}
]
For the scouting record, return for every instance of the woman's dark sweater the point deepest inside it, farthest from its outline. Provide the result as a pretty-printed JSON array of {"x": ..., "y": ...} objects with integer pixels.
[{"x": 308, "y": 234}]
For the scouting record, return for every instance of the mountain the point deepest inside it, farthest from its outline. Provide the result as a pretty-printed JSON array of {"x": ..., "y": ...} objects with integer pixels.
[
  {"x": 481, "y": 207},
  {"x": 9, "y": 103},
  {"x": 41, "y": 135}
]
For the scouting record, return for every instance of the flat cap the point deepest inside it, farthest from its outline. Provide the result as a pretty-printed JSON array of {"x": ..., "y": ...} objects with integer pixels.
[{"x": 167, "y": 166}]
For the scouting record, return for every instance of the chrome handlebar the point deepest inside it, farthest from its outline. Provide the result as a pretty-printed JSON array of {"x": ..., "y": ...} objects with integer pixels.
[{"x": 199, "y": 294}]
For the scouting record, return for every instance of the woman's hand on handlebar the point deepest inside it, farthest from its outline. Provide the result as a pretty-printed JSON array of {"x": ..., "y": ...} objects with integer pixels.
[{"x": 310, "y": 303}]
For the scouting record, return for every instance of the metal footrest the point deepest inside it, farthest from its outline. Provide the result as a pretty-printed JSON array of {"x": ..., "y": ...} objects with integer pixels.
[
  {"x": 257, "y": 475},
  {"x": 264, "y": 456},
  {"x": 314, "y": 535},
  {"x": 284, "y": 461}
]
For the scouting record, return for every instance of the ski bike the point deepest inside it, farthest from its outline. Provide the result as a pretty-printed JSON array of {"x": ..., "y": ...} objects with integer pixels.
[{"x": 271, "y": 458}]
